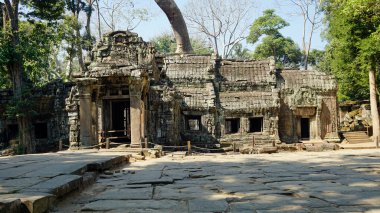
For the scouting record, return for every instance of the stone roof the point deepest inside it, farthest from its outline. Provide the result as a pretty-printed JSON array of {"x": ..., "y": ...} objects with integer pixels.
[
  {"x": 251, "y": 100},
  {"x": 258, "y": 72},
  {"x": 295, "y": 79},
  {"x": 188, "y": 67},
  {"x": 202, "y": 97}
]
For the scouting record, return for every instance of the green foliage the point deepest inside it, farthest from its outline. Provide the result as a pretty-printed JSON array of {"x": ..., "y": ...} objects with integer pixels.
[
  {"x": 37, "y": 41},
  {"x": 5, "y": 57},
  {"x": 50, "y": 10},
  {"x": 267, "y": 24},
  {"x": 166, "y": 44},
  {"x": 316, "y": 57},
  {"x": 354, "y": 48},
  {"x": 240, "y": 53},
  {"x": 21, "y": 107},
  {"x": 285, "y": 51}
]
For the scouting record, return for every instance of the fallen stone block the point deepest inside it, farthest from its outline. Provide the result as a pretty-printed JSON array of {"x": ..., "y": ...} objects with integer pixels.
[
  {"x": 37, "y": 203},
  {"x": 10, "y": 205}
]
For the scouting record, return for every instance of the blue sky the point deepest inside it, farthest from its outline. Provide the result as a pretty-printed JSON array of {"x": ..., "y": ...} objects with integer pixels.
[{"x": 159, "y": 24}]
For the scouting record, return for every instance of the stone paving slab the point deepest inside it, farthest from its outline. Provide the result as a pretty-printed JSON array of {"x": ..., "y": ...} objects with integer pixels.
[
  {"x": 32, "y": 182},
  {"x": 335, "y": 181}
]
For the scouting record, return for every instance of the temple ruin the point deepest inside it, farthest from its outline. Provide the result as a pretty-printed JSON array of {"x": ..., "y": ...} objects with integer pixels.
[{"x": 131, "y": 94}]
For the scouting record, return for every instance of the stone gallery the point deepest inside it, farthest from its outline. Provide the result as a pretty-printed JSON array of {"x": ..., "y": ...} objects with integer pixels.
[{"x": 131, "y": 94}]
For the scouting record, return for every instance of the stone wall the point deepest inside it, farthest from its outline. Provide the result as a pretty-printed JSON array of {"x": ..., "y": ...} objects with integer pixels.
[
  {"x": 307, "y": 95},
  {"x": 50, "y": 121}
]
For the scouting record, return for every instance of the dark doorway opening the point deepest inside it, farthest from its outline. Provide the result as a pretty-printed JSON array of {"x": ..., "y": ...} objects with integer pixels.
[
  {"x": 120, "y": 121},
  {"x": 305, "y": 128},
  {"x": 256, "y": 124},
  {"x": 232, "y": 125},
  {"x": 41, "y": 130}
]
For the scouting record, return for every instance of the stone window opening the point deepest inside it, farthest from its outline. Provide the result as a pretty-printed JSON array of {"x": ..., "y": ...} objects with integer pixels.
[
  {"x": 256, "y": 124},
  {"x": 232, "y": 125},
  {"x": 41, "y": 130},
  {"x": 193, "y": 123}
]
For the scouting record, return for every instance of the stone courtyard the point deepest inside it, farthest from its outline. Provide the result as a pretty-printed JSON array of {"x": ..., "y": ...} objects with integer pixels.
[{"x": 335, "y": 181}]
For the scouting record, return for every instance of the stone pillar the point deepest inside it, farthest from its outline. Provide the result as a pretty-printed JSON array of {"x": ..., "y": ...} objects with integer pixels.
[
  {"x": 85, "y": 112},
  {"x": 142, "y": 119},
  {"x": 72, "y": 107},
  {"x": 318, "y": 124},
  {"x": 135, "y": 102},
  {"x": 318, "y": 131},
  {"x": 85, "y": 116},
  {"x": 99, "y": 105}
]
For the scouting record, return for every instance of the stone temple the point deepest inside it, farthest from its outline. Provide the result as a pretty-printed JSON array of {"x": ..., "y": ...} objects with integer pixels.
[{"x": 131, "y": 94}]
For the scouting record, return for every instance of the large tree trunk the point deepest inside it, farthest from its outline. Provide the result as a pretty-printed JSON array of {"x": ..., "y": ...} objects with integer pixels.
[
  {"x": 15, "y": 70},
  {"x": 175, "y": 17},
  {"x": 373, "y": 101},
  {"x": 78, "y": 39},
  {"x": 88, "y": 28}
]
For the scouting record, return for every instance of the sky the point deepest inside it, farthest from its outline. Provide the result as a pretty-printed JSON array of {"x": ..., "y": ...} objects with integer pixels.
[{"x": 159, "y": 24}]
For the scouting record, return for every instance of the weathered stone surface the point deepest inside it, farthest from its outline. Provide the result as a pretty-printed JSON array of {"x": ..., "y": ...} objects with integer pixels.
[
  {"x": 126, "y": 194},
  {"x": 9, "y": 204},
  {"x": 207, "y": 205},
  {"x": 136, "y": 205},
  {"x": 59, "y": 185},
  {"x": 37, "y": 203}
]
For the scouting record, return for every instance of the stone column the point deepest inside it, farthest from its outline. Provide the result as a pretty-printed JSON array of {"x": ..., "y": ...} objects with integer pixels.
[
  {"x": 135, "y": 103},
  {"x": 318, "y": 124},
  {"x": 85, "y": 112},
  {"x": 318, "y": 127}
]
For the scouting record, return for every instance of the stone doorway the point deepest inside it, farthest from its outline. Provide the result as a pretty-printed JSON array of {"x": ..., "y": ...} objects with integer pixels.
[
  {"x": 305, "y": 128},
  {"x": 120, "y": 129}
]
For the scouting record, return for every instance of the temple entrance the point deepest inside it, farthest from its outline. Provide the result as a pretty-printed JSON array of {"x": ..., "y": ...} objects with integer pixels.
[
  {"x": 120, "y": 121},
  {"x": 305, "y": 128}
]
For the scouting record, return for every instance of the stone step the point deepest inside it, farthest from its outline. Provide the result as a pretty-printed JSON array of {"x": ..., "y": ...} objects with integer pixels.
[
  {"x": 356, "y": 137},
  {"x": 39, "y": 197}
]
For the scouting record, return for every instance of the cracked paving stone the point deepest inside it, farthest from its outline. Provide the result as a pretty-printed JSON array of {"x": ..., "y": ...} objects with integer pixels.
[
  {"x": 133, "y": 205},
  {"x": 126, "y": 194},
  {"x": 205, "y": 205}
]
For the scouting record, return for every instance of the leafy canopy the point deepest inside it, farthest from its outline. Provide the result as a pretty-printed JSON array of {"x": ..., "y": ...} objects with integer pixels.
[
  {"x": 354, "y": 44},
  {"x": 285, "y": 51}
]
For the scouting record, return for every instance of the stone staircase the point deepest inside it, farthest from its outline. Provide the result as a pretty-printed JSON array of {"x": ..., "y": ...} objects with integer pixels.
[{"x": 356, "y": 137}]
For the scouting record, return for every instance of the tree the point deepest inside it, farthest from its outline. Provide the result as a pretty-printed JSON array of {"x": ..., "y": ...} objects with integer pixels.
[
  {"x": 240, "y": 53},
  {"x": 285, "y": 50},
  {"x": 75, "y": 7},
  {"x": 13, "y": 58},
  {"x": 173, "y": 13},
  {"x": 316, "y": 57},
  {"x": 354, "y": 46},
  {"x": 311, "y": 12},
  {"x": 166, "y": 44},
  {"x": 119, "y": 14},
  {"x": 223, "y": 23}
]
